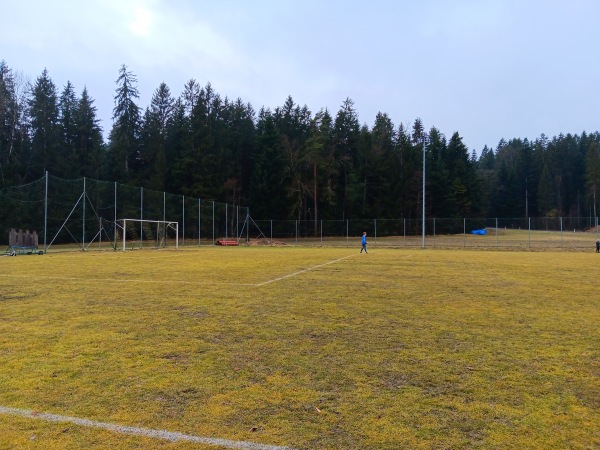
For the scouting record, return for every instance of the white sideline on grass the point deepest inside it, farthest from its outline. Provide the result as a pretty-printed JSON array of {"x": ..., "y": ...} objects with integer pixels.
[
  {"x": 197, "y": 283},
  {"x": 302, "y": 271},
  {"x": 138, "y": 431}
]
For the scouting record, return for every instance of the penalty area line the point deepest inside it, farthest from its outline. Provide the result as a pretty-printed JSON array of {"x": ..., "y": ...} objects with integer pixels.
[
  {"x": 303, "y": 270},
  {"x": 139, "y": 431}
]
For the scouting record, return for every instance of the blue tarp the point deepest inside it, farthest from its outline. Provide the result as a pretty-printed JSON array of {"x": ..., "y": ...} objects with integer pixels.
[{"x": 482, "y": 231}]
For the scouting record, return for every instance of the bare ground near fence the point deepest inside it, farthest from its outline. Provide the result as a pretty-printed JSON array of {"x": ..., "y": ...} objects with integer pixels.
[{"x": 494, "y": 239}]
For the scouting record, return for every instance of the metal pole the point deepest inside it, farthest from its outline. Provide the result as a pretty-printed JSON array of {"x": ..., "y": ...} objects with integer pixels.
[
  {"x": 529, "y": 226},
  {"x": 375, "y": 230},
  {"x": 561, "y": 234},
  {"x": 141, "y": 217},
  {"x": 226, "y": 208},
  {"x": 464, "y": 232},
  {"x": 347, "y": 232},
  {"x": 46, "y": 213},
  {"x": 115, "y": 222},
  {"x": 183, "y": 221},
  {"x": 321, "y": 231},
  {"x": 496, "y": 232},
  {"x": 199, "y": 222},
  {"x": 83, "y": 222},
  {"x": 213, "y": 220},
  {"x": 296, "y": 231},
  {"x": 271, "y": 231},
  {"x": 423, "y": 225},
  {"x": 164, "y": 217}
]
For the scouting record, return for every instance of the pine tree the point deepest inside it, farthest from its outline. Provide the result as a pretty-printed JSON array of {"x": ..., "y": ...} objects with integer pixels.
[
  {"x": 346, "y": 133},
  {"x": 45, "y": 128},
  {"x": 67, "y": 108},
  {"x": 462, "y": 172},
  {"x": 546, "y": 195},
  {"x": 152, "y": 161},
  {"x": 319, "y": 157},
  {"x": 440, "y": 199},
  {"x": 14, "y": 137},
  {"x": 124, "y": 137},
  {"x": 89, "y": 146},
  {"x": 592, "y": 175},
  {"x": 267, "y": 194},
  {"x": 407, "y": 167},
  {"x": 379, "y": 177}
]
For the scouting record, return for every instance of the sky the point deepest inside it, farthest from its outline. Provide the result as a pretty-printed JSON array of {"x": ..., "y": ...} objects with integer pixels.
[{"x": 487, "y": 69}]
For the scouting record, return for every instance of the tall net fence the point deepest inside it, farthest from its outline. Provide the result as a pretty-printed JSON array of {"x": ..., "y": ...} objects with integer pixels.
[
  {"x": 84, "y": 213},
  {"x": 546, "y": 233}
]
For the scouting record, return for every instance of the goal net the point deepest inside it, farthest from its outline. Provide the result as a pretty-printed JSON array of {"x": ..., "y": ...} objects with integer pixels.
[{"x": 137, "y": 234}]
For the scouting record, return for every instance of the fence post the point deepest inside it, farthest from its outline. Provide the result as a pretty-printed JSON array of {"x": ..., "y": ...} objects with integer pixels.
[
  {"x": 213, "y": 222},
  {"x": 321, "y": 231},
  {"x": 183, "y": 220},
  {"x": 296, "y": 231},
  {"x": 141, "y": 217},
  {"x": 83, "y": 221},
  {"x": 226, "y": 220},
  {"x": 404, "y": 231},
  {"x": 496, "y": 232},
  {"x": 375, "y": 232},
  {"x": 347, "y": 236},
  {"x": 115, "y": 222},
  {"x": 529, "y": 226},
  {"x": 561, "y": 233},
  {"x": 46, "y": 213},
  {"x": 464, "y": 232},
  {"x": 199, "y": 221},
  {"x": 271, "y": 231},
  {"x": 434, "y": 236}
]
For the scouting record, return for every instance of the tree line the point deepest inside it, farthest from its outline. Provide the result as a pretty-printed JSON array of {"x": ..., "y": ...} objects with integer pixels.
[{"x": 286, "y": 162}]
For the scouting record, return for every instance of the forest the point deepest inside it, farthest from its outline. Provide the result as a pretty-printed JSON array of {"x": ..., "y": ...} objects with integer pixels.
[{"x": 288, "y": 162}]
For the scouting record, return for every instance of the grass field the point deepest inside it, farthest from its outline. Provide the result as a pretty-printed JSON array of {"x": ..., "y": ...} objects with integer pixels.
[{"x": 306, "y": 348}]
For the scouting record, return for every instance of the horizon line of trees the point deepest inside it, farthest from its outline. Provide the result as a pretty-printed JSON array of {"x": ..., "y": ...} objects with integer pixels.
[{"x": 286, "y": 163}]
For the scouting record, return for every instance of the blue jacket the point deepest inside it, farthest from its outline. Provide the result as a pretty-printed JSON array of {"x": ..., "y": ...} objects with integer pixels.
[{"x": 364, "y": 239}]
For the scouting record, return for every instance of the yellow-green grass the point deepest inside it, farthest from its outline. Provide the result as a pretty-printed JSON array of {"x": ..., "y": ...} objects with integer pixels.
[{"x": 400, "y": 348}]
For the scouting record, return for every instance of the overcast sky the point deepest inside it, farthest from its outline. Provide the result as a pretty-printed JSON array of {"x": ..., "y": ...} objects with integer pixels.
[{"x": 489, "y": 69}]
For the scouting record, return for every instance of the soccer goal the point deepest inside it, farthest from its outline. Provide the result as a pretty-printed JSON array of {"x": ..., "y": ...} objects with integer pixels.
[{"x": 137, "y": 233}]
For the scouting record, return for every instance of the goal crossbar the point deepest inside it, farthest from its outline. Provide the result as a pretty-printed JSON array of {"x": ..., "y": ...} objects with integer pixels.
[{"x": 167, "y": 224}]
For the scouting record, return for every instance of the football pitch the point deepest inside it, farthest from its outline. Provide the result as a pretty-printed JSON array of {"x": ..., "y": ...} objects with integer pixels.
[{"x": 300, "y": 348}]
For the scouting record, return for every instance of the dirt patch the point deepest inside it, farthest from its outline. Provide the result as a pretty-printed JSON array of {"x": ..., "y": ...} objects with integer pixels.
[{"x": 266, "y": 242}]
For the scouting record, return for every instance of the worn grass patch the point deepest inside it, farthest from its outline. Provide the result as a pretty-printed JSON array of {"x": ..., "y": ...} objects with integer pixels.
[{"x": 394, "y": 349}]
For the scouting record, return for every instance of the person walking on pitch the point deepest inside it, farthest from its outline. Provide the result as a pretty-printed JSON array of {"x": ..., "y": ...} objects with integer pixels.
[{"x": 363, "y": 242}]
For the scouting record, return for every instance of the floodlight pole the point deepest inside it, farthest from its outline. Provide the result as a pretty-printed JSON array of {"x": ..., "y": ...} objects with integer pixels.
[{"x": 423, "y": 139}]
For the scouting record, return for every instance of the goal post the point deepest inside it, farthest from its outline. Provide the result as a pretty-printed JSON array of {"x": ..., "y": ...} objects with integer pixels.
[{"x": 140, "y": 233}]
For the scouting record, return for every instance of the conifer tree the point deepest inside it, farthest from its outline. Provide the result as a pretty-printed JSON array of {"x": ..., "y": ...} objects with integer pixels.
[
  {"x": 89, "y": 146},
  {"x": 123, "y": 148},
  {"x": 45, "y": 129}
]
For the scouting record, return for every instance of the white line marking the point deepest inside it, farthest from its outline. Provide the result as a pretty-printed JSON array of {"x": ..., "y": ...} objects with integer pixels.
[
  {"x": 146, "y": 432},
  {"x": 302, "y": 271},
  {"x": 195, "y": 283}
]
